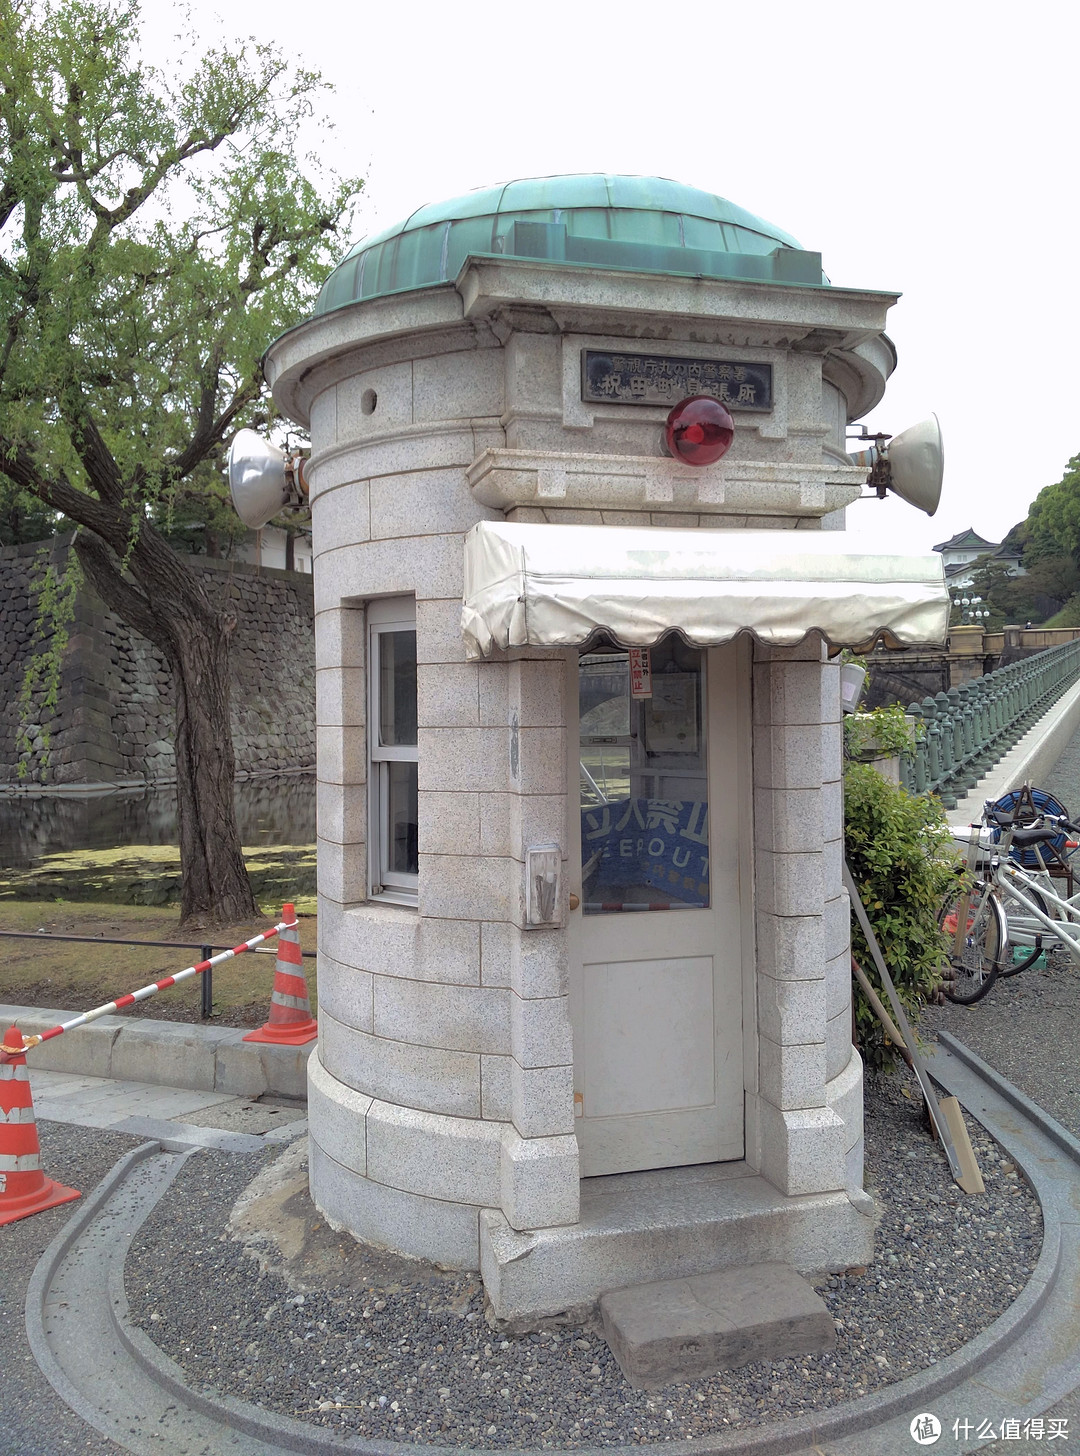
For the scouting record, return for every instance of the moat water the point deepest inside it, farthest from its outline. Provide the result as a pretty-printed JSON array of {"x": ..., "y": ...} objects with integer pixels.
[{"x": 273, "y": 810}]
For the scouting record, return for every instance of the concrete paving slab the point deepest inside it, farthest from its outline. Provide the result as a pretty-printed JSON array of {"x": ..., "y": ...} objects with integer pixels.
[
  {"x": 104, "y": 1103},
  {"x": 180, "y": 1136},
  {"x": 288, "y": 1132},
  {"x": 148, "y": 1099},
  {"x": 240, "y": 1114},
  {"x": 177, "y": 1117},
  {"x": 678, "y": 1329},
  {"x": 62, "y": 1084}
]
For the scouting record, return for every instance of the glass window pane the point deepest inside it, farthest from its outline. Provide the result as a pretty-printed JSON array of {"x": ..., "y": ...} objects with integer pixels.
[
  {"x": 605, "y": 773},
  {"x": 397, "y": 688},
  {"x": 644, "y": 784},
  {"x": 604, "y": 695},
  {"x": 402, "y": 817}
]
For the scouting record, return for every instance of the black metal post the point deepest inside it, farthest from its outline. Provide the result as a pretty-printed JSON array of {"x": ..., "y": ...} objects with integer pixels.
[{"x": 206, "y": 990}]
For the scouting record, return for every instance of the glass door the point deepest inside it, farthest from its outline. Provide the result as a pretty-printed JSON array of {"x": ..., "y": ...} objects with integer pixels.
[
  {"x": 644, "y": 782},
  {"x": 656, "y": 966}
]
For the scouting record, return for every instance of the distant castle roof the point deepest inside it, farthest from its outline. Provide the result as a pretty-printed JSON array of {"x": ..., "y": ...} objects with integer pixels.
[{"x": 968, "y": 540}]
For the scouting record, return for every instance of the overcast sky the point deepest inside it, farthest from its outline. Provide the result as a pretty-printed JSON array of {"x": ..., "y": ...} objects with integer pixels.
[{"x": 928, "y": 149}]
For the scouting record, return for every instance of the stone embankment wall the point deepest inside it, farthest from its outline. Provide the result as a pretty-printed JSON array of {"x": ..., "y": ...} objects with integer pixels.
[
  {"x": 908, "y": 674},
  {"x": 113, "y": 719}
]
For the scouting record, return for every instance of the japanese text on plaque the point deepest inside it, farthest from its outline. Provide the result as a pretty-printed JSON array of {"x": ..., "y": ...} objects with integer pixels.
[{"x": 655, "y": 379}]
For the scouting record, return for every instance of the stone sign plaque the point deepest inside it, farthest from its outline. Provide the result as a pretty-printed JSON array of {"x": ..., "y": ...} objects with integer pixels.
[{"x": 659, "y": 379}]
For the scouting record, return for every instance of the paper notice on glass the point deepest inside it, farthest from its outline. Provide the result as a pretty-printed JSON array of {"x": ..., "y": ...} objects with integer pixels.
[
  {"x": 640, "y": 672},
  {"x": 671, "y": 719}
]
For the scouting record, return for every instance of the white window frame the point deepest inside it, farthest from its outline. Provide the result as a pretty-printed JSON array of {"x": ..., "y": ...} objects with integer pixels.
[{"x": 387, "y": 614}]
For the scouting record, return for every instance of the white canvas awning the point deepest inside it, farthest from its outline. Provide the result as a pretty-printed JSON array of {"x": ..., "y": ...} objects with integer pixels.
[{"x": 531, "y": 585}]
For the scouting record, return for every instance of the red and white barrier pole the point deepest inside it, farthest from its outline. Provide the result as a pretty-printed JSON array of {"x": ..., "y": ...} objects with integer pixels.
[{"x": 147, "y": 991}]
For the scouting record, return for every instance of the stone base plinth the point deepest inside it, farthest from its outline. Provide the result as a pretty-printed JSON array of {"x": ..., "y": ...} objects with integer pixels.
[
  {"x": 641, "y": 1227},
  {"x": 679, "y": 1329}
]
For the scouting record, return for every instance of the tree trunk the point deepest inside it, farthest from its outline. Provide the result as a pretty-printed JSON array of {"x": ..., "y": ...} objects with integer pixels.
[
  {"x": 162, "y": 600},
  {"x": 214, "y": 884}
]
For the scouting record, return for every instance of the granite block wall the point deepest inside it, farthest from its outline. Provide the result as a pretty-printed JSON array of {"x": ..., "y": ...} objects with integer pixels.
[{"x": 113, "y": 718}]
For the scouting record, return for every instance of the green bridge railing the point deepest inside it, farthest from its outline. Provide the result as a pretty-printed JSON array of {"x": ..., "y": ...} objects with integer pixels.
[{"x": 967, "y": 730}]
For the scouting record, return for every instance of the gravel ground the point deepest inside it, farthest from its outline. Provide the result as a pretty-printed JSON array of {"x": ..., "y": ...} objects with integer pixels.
[
  {"x": 390, "y": 1348},
  {"x": 373, "y": 1332}
]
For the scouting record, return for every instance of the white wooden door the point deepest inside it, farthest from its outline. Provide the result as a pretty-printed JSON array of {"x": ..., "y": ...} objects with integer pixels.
[{"x": 656, "y": 944}]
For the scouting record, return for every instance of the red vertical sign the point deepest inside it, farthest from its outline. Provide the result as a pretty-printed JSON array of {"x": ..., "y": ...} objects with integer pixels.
[{"x": 640, "y": 673}]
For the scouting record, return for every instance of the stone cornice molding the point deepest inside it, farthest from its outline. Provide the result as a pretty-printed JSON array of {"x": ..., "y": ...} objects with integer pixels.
[{"x": 508, "y": 480}]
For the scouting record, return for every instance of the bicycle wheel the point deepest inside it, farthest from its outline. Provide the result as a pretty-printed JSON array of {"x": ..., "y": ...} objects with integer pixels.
[
  {"x": 1015, "y": 911},
  {"x": 975, "y": 969}
]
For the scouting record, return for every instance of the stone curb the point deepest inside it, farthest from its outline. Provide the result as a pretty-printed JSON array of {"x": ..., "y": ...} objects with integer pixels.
[
  {"x": 787, "y": 1438},
  {"x": 165, "y": 1054},
  {"x": 41, "y": 1279},
  {"x": 861, "y": 1417}
]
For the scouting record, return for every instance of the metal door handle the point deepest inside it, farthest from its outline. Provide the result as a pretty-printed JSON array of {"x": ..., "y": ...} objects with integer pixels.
[{"x": 574, "y": 902}]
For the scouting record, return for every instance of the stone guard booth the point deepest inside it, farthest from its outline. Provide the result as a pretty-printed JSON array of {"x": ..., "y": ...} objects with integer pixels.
[{"x": 584, "y": 988}]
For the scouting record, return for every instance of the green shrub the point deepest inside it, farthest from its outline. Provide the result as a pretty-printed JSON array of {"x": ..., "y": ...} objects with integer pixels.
[
  {"x": 898, "y": 847},
  {"x": 885, "y": 732},
  {"x": 1069, "y": 616}
]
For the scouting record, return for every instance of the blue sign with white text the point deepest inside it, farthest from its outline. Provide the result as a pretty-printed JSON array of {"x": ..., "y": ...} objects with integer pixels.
[{"x": 659, "y": 843}]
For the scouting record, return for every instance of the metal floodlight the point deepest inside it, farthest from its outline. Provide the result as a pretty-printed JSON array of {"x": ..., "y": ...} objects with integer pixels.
[{"x": 911, "y": 465}]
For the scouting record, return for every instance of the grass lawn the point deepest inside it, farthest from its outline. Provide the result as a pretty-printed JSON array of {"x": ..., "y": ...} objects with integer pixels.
[
  {"x": 149, "y": 874},
  {"x": 76, "y": 977}
]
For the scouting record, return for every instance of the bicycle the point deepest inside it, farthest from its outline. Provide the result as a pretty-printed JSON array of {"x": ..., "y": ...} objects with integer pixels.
[
  {"x": 1006, "y": 906},
  {"x": 974, "y": 920},
  {"x": 1047, "y": 863}
]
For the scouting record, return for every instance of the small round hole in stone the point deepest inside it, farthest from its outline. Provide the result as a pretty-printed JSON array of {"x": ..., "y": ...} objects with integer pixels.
[{"x": 368, "y": 400}]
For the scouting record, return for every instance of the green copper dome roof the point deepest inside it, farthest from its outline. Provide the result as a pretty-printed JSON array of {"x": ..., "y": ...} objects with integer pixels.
[{"x": 643, "y": 224}]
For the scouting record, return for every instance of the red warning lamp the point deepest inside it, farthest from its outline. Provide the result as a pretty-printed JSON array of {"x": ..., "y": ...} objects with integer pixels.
[{"x": 699, "y": 430}]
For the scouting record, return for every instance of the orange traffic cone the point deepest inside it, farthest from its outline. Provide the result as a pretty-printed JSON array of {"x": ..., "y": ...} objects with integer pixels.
[
  {"x": 291, "y": 1022},
  {"x": 24, "y": 1189}
]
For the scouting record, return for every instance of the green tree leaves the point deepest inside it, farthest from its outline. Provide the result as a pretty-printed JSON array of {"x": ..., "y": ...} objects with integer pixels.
[
  {"x": 1053, "y": 522},
  {"x": 155, "y": 233},
  {"x": 1049, "y": 540},
  {"x": 898, "y": 849}
]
